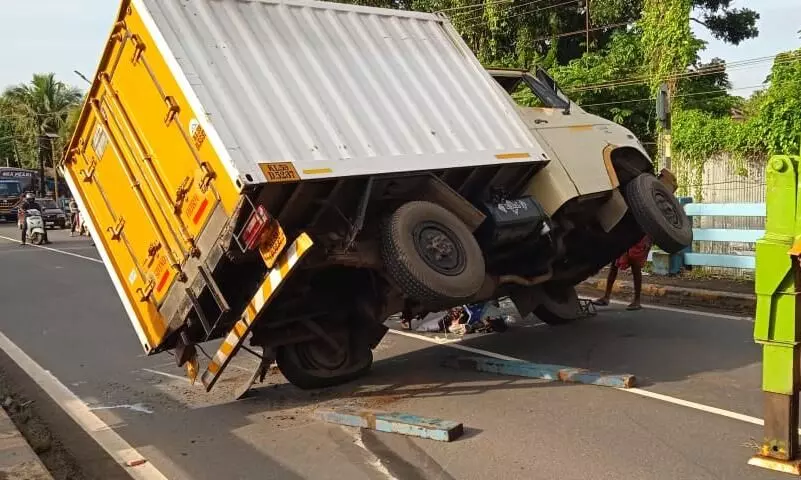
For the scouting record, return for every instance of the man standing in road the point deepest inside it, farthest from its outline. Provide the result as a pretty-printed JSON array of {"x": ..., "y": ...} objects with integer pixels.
[{"x": 635, "y": 257}]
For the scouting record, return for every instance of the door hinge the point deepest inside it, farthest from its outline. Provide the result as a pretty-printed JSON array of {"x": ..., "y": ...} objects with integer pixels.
[
  {"x": 208, "y": 176},
  {"x": 172, "y": 110},
  {"x": 139, "y": 48},
  {"x": 180, "y": 193},
  {"x": 145, "y": 293},
  {"x": 116, "y": 231},
  {"x": 89, "y": 173}
]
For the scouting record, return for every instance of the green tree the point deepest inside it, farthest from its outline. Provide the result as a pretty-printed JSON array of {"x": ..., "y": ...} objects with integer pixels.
[{"x": 40, "y": 110}]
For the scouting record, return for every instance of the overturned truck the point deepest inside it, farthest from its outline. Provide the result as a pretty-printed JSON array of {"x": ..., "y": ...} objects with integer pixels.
[{"x": 290, "y": 173}]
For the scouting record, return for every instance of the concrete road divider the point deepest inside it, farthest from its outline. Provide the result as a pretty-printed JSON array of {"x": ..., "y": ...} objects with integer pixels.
[
  {"x": 540, "y": 370},
  {"x": 393, "y": 422}
]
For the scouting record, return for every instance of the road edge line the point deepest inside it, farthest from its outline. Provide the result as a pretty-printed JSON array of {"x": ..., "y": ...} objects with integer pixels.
[
  {"x": 96, "y": 260},
  {"x": 700, "y": 313},
  {"x": 120, "y": 450}
]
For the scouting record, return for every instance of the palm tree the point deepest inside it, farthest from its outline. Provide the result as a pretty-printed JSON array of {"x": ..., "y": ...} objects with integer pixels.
[{"x": 43, "y": 107}]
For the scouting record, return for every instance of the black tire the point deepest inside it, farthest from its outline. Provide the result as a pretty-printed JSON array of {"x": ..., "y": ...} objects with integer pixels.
[
  {"x": 560, "y": 305},
  {"x": 659, "y": 213},
  {"x": 37, "y": 238},
  {"x": 303, "y": 372},
  {"x": 415, "y": 234}
]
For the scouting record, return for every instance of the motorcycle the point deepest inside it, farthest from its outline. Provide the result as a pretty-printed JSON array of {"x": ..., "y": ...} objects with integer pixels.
[{"x": 35, "y": 226}]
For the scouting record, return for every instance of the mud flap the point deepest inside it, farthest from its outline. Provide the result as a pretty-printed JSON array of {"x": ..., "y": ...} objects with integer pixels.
[{"x": 267, "y": 290}]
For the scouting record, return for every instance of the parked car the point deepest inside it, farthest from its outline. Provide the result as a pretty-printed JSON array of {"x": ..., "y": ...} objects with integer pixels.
[{"x": 52, "y": 215}]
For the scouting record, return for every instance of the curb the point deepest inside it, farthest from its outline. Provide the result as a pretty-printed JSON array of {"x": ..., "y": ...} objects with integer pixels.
[
  {"x": 681, "y": 296},
  {"x": 17, "y": 459}
]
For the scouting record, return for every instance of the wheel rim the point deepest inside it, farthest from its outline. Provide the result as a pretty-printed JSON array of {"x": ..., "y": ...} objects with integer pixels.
[
  {"x": 668, "y": 209},
  {"x": 439, "y": 248},
  {"x": 319, "y": 355}
]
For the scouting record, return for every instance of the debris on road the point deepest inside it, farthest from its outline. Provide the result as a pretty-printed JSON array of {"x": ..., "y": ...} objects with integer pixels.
[
  {"x": 485, "y": 317},
  {"x": 393, "y": 422},
  {"x": 136, "y": 463},
  {"x": 540, "y": 370}
]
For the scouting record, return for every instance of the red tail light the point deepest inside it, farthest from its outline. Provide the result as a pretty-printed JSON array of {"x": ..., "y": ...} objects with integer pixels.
[{"x": 255, "y": 227}]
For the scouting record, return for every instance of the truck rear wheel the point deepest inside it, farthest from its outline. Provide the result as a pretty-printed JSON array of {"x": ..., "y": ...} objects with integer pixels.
[
  {"x": 560, "y": 305},
  {"x": 430, "y": 253},
  {"x": 659, "y": 213},
  {"x": 316, "y": 364}
]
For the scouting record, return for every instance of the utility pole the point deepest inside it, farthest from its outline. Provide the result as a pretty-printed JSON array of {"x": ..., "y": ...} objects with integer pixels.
[
  {"x": 663, "y": 115},
  {"x": 42, "y": 160},
  {"x": 16, "y": 152},
  {"x": 55, "y": 169},
  {"x": 587, "y": 24}
]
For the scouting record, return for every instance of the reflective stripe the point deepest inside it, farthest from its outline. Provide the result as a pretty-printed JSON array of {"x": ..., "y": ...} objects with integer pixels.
[{"x": 263, "y": 295}]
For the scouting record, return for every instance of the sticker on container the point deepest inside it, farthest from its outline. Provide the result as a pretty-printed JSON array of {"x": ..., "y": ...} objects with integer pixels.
[
  {"x": 194, "y": 201},
  {"x": 99, "y": 141},
  {"x": 161, "y": 273},
  {"x": 197, "y": 133},
  {"x": 132, "y": 276}
]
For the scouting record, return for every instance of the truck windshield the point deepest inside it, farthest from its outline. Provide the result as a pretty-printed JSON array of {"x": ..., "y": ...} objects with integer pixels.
[
  {"x": 531, "y": 93},
  {"x": 528, "y": 91},
  {"x": 10, "y": 189}
]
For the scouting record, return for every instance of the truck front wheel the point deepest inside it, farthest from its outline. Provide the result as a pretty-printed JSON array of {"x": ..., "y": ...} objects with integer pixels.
[
  {"x": 317, "y": 364},
  {"x": 659, "y": 213},
  {"x": 559, "y": 305},
  {"x": 431, "y": 254}
]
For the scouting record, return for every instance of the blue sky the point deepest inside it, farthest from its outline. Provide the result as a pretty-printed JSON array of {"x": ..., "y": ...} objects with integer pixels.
[{"x": 66, "y": 35}]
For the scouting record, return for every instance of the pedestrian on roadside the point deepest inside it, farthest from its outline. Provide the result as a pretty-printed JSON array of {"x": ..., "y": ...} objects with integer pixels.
[
  {"x": 635, "y": 257},
  {"x": 73, "y": 216}
]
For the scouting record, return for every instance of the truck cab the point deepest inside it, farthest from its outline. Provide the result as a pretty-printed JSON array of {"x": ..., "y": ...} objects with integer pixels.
[
  {"x": 599, "y": 189},
  {"x": 10, "y": 194}
]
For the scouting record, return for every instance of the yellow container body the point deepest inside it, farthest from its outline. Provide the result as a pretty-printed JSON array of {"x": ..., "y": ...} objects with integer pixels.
[{"x": 145, "y": 170}]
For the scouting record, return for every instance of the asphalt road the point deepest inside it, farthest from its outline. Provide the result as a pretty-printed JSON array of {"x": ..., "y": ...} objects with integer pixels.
[{"x": 63, "y": 312}]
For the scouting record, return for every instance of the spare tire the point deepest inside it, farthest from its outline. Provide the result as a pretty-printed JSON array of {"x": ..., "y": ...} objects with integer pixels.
[
  {"x": 659, "y": 213},
  {"x": 431, "y": 255}
]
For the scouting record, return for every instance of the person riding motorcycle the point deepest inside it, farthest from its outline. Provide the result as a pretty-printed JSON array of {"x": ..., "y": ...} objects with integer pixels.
[{"x": 29, "y": 204}]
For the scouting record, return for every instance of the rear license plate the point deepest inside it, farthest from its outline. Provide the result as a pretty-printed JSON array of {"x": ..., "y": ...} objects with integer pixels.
[{"x": 274, "y": 245}]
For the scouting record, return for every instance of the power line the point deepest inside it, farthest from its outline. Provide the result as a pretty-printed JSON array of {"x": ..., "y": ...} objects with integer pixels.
[
  {"x": 549, "y": 7},
  {"x": 707, "y": 70},
  {"x": 472, "y": 5},
  {"x": 651, "y": 99},
  {"x": 577, "y": 32}
]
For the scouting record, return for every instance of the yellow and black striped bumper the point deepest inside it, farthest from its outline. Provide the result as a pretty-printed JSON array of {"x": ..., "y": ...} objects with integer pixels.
[{"x": 283, "y": 267}]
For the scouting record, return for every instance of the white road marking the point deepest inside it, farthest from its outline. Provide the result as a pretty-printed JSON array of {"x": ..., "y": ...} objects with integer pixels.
[
  {"x": 372, "y": 459},
  {"x": 636, "y": 391},
  {"x": 168, "y": 375},
  {"x": 651, "y": 306},
  {"x": 120, "y": 450},
  {"x": 453, "y": 344},
  {"x": 96, "y": 260},
  {"x": 136, "y": 407},
  {"x": 697, "y": 406}
]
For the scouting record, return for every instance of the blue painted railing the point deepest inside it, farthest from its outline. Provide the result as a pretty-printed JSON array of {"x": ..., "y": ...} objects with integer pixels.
[{"x": 721, "y": 235}]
